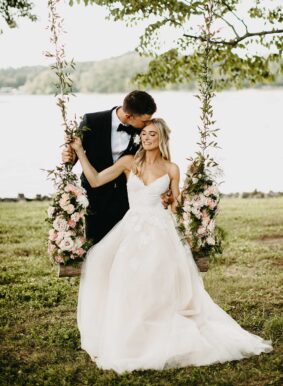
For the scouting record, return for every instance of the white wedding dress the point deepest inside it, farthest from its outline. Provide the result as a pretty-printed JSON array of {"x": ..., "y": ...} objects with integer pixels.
[{"x": 142, "y": 303}]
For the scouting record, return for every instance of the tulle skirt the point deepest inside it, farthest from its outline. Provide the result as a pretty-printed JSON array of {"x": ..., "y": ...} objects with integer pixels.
[{"x": 142, "y": 303}]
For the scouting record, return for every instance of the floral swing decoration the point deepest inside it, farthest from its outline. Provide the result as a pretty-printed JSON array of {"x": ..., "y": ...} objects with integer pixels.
[
  {"x": 199, "y": 199},
  {"x": 67, "y": 245}
]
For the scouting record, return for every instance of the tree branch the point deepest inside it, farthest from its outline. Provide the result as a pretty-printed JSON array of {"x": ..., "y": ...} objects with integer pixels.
[
  {"x": 236, "y": 16},
  {"x": 222, "y": 18},
  {"x": 234, "y": 42},
  {"x": 229, "y": 24}
]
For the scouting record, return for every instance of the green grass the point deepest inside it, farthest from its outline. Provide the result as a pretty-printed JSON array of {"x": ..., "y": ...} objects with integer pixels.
[{"x": 40, "y": 342}]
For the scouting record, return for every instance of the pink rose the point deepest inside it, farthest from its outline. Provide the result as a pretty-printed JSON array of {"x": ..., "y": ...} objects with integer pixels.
[
  {"x": 66, "y": 244},
  {"x": 72, "y": 223},
  {"x": 59, "y": 259},
  {"x": 60, "y": 224},
  {"x": 79, "y": 251},
  {"x": 76, "y": 216},
  {"x": 70, "y": 188},
  {"x": 64, "y": 200},
  {"x": 52, "y": 235}
]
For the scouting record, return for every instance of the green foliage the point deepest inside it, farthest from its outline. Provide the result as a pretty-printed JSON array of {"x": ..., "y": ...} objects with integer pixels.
[
  {"x": 11, "y": 10},
  {"x": 110, "y": 75},
  {"x": 40, "y": 340},
  {"x": 236, "y": 63}
]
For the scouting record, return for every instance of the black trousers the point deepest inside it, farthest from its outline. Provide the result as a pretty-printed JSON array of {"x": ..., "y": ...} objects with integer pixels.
[{"x": 99, "y": 224}]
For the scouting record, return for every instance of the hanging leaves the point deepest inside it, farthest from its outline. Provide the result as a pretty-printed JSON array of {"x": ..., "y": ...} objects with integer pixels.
[{"x": 236, "y": 61}]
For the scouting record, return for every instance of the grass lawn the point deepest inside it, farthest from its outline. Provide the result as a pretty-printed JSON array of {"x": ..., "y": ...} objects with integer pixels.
[{"x": 39, "y": 337}]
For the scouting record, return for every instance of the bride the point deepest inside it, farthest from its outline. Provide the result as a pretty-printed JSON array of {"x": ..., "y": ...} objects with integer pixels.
[{"x": 142, "y": 302}]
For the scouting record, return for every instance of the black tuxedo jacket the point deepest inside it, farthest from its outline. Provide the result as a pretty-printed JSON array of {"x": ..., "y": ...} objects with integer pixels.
[{"x": 108, "y": 203}]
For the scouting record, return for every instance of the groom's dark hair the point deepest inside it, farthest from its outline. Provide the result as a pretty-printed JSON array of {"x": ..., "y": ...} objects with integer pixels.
[{"x": 139, "y": 103}]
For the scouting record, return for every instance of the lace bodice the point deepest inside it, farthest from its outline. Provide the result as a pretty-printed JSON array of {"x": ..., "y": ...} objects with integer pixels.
[{"x": 146, "y": 196}]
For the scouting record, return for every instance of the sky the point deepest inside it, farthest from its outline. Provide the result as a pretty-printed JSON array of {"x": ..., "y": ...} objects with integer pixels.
[{"x": 90, "y": 36}]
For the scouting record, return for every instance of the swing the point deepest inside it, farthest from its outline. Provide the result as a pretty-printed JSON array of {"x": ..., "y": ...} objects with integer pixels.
[{"x": 67, "y": 246}]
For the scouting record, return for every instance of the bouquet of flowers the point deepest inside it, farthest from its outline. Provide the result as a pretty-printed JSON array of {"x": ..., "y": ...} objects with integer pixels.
[
  {"x": 196, "y": 212},
  {"x": 66, "y": 241}
]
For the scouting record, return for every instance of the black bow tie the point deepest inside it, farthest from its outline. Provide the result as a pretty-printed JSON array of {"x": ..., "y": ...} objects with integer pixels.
[{"x": 128, "y": 129}]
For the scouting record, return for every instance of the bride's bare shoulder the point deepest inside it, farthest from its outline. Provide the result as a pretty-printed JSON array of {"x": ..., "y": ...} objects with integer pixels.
[
  {"x": 173, "y": 170},
  {"x": 127, "y": 161}
]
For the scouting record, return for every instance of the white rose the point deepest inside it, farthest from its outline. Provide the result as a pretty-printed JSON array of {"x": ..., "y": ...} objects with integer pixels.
[
  {"x": 187, "y": 206},
  {"x": 66, "y": 244},
  {"x": 50, "y": 211},
  {"x": 215, "y": 191},
  {"x": 69, "y": 233},
  {"x": 211, "y": 226},
  {"x": 83, "y": 201},
  {"x": 196, "y": 212},
  {"x": 137, "y": 139},
  {"x": 205, "y": 221},
  {"x": 206, "y": 192},
  {"x": 78, "y": 242},
  {"x": 201, "y": 230},
  {"x": 203, "y": 200},
  {"x": 186, "y": 216},
  {"x": 210, "y": 240},
  {"x": 65, "y": 196},
  {"x": 60, "y": 236},
  {"x": 70, "y": 208},
  {"x": 186, "y": 224},
  {"x": 60, "y": 224},
  {"x": 195, "y": 180},
  {"x": 75, "y": 217}
]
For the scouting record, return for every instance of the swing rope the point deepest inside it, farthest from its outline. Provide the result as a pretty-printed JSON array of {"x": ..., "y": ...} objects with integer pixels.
[
  {"x": 199, "y": 204},
  {"x": 66, "y": 242}
]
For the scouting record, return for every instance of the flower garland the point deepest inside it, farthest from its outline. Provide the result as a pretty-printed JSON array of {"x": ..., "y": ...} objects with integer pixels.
[
  {"x": 66, "y": 241},
  {"x": 197, "y": 210},
  {"x": 199, "y": 200}
]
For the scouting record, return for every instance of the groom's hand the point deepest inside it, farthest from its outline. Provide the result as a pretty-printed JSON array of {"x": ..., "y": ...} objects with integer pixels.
[{"x": 167, "y": 198}]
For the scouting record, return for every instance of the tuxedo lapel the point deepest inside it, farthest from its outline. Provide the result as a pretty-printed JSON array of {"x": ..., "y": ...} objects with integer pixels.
[
  {"x": 106, "y": 136},
  {"x": 133, "y": 146}
]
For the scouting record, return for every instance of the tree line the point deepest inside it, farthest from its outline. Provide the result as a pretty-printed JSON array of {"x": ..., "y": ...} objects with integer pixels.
[{"x": 105, "y": 76}]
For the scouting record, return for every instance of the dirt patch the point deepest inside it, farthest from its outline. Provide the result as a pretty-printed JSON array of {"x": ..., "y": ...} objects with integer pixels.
[{"x": 271, "y": 239}]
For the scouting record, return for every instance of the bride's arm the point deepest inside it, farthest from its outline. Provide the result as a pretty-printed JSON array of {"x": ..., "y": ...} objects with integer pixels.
[
  {"x": 174, "y": 173},
  {"x": 94, "y": 177}
]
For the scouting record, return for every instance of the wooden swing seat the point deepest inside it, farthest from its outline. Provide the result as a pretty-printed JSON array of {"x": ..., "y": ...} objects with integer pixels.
[{"x": 75, "y": 270}]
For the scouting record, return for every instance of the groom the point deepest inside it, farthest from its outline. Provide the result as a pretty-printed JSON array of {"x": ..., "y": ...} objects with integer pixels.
[{"x": 113, "y": 133}]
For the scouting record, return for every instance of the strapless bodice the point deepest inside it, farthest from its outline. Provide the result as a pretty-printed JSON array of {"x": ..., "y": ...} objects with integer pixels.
[{"x": 143, "y": 196}]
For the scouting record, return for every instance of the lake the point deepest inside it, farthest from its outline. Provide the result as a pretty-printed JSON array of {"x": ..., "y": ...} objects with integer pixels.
[{"x": 251, "y": 136}]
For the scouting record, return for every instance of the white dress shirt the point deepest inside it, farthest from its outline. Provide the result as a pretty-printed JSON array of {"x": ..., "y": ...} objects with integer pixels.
[{"x": 119, "y": 139}]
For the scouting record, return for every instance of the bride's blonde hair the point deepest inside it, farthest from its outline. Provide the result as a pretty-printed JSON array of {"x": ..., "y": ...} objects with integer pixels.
[{"x": 163, "y": 133}]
